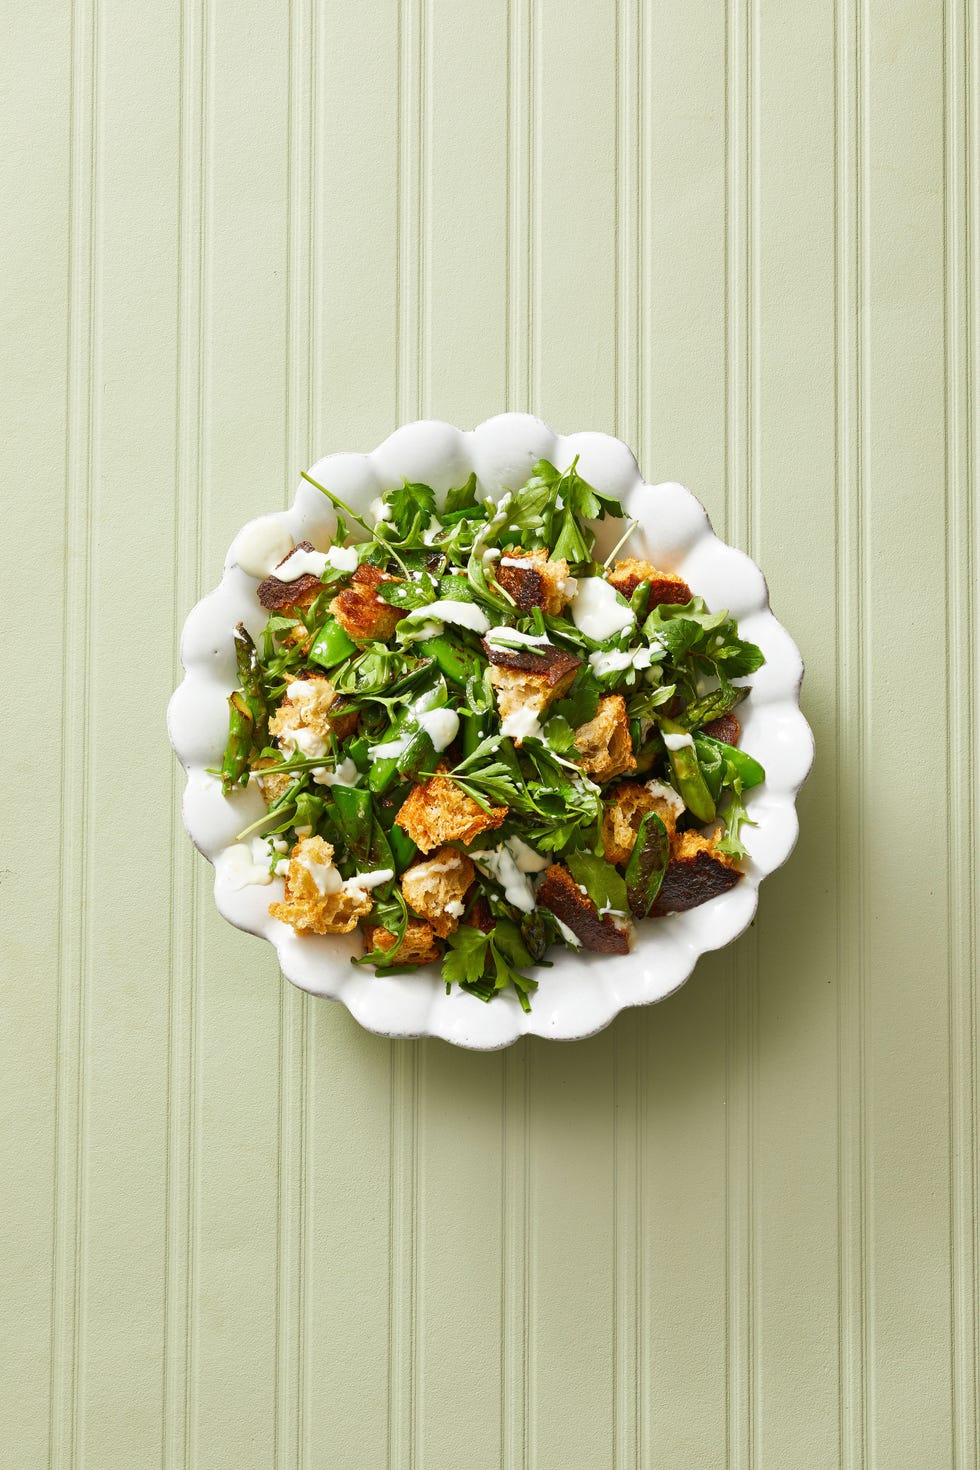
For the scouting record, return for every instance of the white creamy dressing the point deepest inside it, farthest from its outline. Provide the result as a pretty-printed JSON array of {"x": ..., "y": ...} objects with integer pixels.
[
  {"x": 441, "y": 726},
  {"x": 434, "y": 531},
  {"x": 379, "y": 510},
  {"x": 301, "y": 564},
  {"x": 500, "y": 863},
  {"x": 617, "y": 659},
  {"x": 568, "y": 587},
  {"x": 327, "y": 879},
  {"x": 455, "y": 908},
  {"x": 597, "y": 610},
  {"x": 391, "y": 749},
  {"x": 362, "y": 882},
  {"x": 247, "y": 863},
  {"x": 343, "y": 558},
  {"x": 517, "y": 561},
  {"x": 526, "y": 858},
  {"x": 304, "y": 691},
  {"x": 346, "y": 774},
  {"x": 569, "y": 935},
  {"x": 261, "y": 545},
  {"x": 501, "y": 636},
  {"x": 449, "y": 610},
  {"x": 304, "y": 740},
  {"x": 522, "y": 724},
  {"x": 492, "y": 553},
  {"x": 666, "y": 793},
  {"x": 678, "y": 742}
]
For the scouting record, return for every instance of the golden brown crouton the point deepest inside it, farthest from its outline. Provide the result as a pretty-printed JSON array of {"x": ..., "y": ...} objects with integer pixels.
[
  {"x": 418, "y": 947},
  {"x": 604, "y": 742},
  {"x": 437, "y": 811},
  {"x": 530, "y": 681},
  {"x": 434, "y": 888},
  {"x": 726, "y": 729},
  {"x": 271, "y": 786},
  {"x": 562, "y": 895},
  {"x": 308, "y": 715},
  {"x": 532, "y": 580},
  {"x": 627, "y": 575},
  {"x": 360, "y": 610},
  {"x": 316, "y": 900},
  {"x": 289, "y": 597},
  {"x": 628, "y": 804},
  {"x": 696, "y": 872}
]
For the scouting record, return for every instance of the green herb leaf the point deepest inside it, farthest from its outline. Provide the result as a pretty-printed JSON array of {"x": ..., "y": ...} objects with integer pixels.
[{"x": 604, "y": 885}]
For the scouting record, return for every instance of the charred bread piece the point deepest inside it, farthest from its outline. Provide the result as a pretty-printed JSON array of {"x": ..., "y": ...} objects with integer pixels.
[
  {"x": 697, "y": 872},
  {"x": 284, "y": 597},
  {"x": 627, "y": 575},
  {"x": 726, "y": 729},
  {"x": 532, "y": 580},
  {"x": 561, "y": 894},
  {"x": 360, "y": 609}
]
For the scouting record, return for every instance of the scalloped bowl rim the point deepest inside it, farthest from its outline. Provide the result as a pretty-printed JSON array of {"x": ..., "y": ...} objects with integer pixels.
[{"x": 582, "y": 993}]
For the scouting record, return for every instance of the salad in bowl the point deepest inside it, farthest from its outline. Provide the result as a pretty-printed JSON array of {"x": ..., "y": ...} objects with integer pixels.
[{"x": 479, "y": 733}]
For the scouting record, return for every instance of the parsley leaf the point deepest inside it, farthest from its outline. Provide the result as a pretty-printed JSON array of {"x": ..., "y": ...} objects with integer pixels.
[
  {"x": 604, "y": 885},
  {"x": 412, "y": 508}
]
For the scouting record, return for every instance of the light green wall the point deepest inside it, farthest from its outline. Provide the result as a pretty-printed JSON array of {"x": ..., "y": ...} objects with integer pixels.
[{"x": 736, "y": 1230}]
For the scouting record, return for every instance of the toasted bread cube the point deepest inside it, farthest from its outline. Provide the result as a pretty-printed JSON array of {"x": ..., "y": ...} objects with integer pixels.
[
  {"x": 534, "y": 581},
  {"x": 627, "y": 575},
  {"x": 726, "y": 729},
  {"x": 418, "y": 947},
  {"x": 308, "y": 715},
  {"x": 437, "y": 811},
  {"x": 435, "y": 887},
  {"x": 316, "y": 900},
  {"x": 562, "y": 895},
  {"x": 271, "y": 786},
  {"x": 697, "y": 872},
  {"x": 604, "y": 742},
  {"x": 530, "y": 681},
  {"x": 290, "y": 597},
  {"x": 361, "y": 612},
  {"x": 629, "y": 803}
]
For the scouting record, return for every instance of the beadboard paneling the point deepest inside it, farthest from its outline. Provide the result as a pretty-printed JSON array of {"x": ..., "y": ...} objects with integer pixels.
[{"x": 738, "y": 1229}]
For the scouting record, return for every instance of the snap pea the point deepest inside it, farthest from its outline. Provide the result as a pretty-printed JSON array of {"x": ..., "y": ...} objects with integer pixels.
[
  {"x": 687, "y": 775},
  {"x": 712, "y": 767},
  {"x": 382, "y": 857},
  {"x": 748, "y": 770},
  {"x": 355, "y": 819},
  {"x": 455, "y": 661},
  {"x": 403, "y": 849},
  {"x": 384, "y": 769},
  {"x": 331, "y": 645},
  {"x": 470, "y": 731},
  {"x": 419, "y": 755},
  {"x": 234, "y": 765},
  {"x": 647, "y": 864}
]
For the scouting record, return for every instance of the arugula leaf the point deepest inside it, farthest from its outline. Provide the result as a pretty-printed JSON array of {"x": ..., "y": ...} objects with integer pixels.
[
  {"x": 604, "y": 885},
  {"x": 461, "y": 498},
  {"x": 735, "y": 816}
]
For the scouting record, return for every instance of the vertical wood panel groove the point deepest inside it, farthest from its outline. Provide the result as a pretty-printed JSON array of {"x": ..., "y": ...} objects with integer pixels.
[
  {"x": 961, "y": 792},
  {"x": 514, "y": 1264},
  {"x": 70, "y": 1097},
  {"x": 184, "y": 966},
  {"x": 850, "y": 329}
]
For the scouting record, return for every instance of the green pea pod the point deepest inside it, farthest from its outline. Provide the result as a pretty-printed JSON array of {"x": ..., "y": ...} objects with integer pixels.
[
  {"x": 382, "y": 857},
  {"x": 384, "y": 769},
  {"x": 403, "y": 849},
  {"x": 419, "y": 756},
  {"x": 647, "y": 865},
  {"x": 234, "y": 765},
  {"x": 453, "y": 660},
  {"x": 331, "y": 645},
  {"x": 355, "y": 819},
  {"x": 686, "y": 771},
  {"x": 748, "y": 770},
  {"x": 712, "y": 768},
  {"x": 470, "y": 731}
]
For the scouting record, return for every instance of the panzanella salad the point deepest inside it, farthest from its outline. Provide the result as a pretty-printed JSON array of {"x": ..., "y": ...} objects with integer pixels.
[{"x": 475, "y": 742}]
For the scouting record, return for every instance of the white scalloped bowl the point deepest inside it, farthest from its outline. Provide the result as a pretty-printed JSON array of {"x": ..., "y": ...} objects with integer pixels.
[{"x": 582, "y": 992}]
